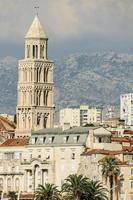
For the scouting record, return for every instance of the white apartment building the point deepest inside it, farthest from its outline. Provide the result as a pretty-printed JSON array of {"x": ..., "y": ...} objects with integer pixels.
[
  {"x": 126, "y": 108},
  {"x": 71, "y": 117},
  {"x": 89, "y": 115}
]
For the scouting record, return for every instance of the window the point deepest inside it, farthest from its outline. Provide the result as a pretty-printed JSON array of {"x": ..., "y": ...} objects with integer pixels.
[
  {"x": 62, "y": 152},
  {"x": 131, "y": 184},
  {"x": 47, "y": 154},
  {"x": 9, "y": 184},
  {"x": 33, "y": 141},
  {"x": 28, "y": 51},
  {"x": 76, "y": 138},
  {"x": 36, "y": 139},
  {"x": 131, "y": 197},
  {"x": 17, "y": 184},
  {"x": 100, "y": 139},
  {"x": 51, "y": 139},
  {"x": 65, "y": 139},
  {"x": 41, "y": 51},
  {"x": 1, "y": 184},
  {"x": 42, "y": 140},
  {"x": 132, "y": 171},
  {"x": 73, "y": 156},
  {"x": 9, "y": 156},
  {"x": 121, "y": 185}
]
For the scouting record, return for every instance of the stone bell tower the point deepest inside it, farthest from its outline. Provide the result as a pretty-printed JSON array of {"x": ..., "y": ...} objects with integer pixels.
[{"x": 35, "y": 84}]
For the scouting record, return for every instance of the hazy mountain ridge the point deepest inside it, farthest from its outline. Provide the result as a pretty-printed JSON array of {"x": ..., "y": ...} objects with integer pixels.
[{"x": 97, "y": 78}]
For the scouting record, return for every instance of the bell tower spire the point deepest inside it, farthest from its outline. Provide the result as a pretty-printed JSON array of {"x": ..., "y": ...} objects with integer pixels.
[
  {"x": 35, "y": 83},
  {"x": 36, "y": 41}
]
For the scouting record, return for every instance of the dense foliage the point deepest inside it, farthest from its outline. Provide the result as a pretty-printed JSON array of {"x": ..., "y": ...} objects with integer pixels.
[{"x": 76, "y": 187}]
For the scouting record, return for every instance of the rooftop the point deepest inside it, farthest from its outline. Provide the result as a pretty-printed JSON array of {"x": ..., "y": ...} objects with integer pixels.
[
  {"x": 6, "y": 125},
  {"x": 15, "y": 142},
  {"x": 122, "y": 139},
  {"x": 75, "y": 130},
  {"x": 100, "y": 151},
  {"x": 36, "y": 30}
]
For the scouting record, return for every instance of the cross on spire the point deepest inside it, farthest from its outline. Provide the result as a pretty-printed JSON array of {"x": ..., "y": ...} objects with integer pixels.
[{"x": 36, "y": 9}]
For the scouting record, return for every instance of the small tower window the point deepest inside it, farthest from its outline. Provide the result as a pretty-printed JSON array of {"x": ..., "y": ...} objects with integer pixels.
[
  {"x": 35, "y": 51},
  {"x": 28, "y": 51},
  {"x": 100, "y": 140},
  {"x": 42, "y": 51}
]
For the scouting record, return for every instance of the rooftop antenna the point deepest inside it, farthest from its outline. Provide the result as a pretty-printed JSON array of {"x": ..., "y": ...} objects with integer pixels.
[{"x": 36, "y": 9}]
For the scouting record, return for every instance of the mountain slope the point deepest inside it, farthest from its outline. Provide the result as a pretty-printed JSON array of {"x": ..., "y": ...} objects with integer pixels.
[{"x": 97, "y": 78}]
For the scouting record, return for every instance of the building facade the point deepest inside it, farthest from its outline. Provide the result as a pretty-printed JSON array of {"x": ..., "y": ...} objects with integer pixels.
[
  {"x": 72, "y": 117},
  {"x": 126, "y": 108},
  {"x": 50, "y": 155},
  {"x": 35, "y": 84},
  {"x": 69, "y": 117}
]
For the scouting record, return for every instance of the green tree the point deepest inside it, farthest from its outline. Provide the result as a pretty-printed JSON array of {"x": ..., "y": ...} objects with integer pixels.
[
  {"x": 111, "y": 170},
  {"x": 95, "y": 191},
  {"x": 47, "y": 192},
  {"x": 74, "y": 186},
  {"x": 12, "y": 195}
]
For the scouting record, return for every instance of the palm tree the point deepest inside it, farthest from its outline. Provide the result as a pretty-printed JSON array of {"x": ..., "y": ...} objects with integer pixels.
[
  {"x": 111, "y": 170},
  {"x": 47, "y": 192},
  {"x": 12, "y": 195},
  {"x": 74, "y": 186},
  {"x": 95, "y": 191}
]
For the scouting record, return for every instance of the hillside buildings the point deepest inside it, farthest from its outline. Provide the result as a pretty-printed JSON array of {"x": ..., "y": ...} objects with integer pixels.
[
  {"x": 126, "y": 108},
  {"x": 74, "y": 117},
  {"x": 38, "y": 153}
]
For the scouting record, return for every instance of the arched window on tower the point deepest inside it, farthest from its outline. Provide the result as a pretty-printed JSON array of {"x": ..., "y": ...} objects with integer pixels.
[
  {"x": 33, "y": 51},
  {"x": 37, "y": 73},
  {"x": 17, "y": 184},
  {"x": 47, "y": 98},
  {"x": 45, "y": 122},
  {"x": 44, "y": 74},
  {"x": 8, "y": 184},
  {"x": 37, "y": 98},
  {"x": 42, "y": 51},
  {"x": 28, "y": 51},
  {"x": 47, "y": 75},
  {"x": 1, "y": 184},
  {"x": 44, "y": 94},
  {"x": 25, "y": 75},
  {"x": 36, "y": 56}
]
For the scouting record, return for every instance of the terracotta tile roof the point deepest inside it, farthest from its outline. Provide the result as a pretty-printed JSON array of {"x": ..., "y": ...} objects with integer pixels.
[
  {"x": 130, "y": 132},
  {"x": 125, "y": 148},
  {"x": 15, "y": 142},
  {"x": 100, "y": 151},
  {"x": 122, "y": 139},
  {"x": 26, "y": 196},
  {"x": 6, "y": 125}
]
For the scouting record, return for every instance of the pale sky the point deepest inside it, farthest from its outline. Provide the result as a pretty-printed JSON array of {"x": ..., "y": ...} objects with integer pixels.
[{"x": 71, "y": 25}]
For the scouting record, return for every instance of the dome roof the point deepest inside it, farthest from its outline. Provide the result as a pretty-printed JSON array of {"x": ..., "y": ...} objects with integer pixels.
[{"x": 36, "y": 31}]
